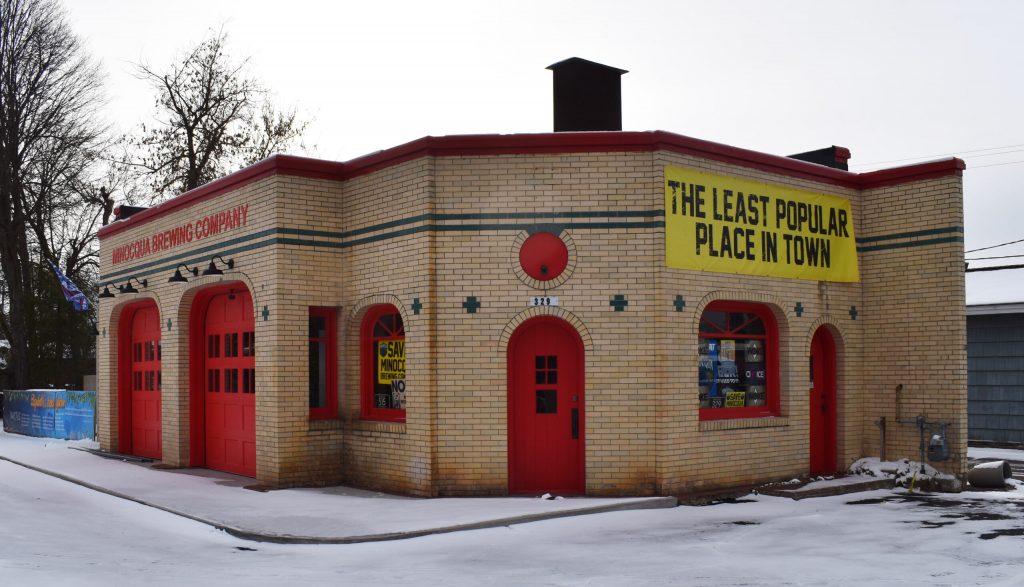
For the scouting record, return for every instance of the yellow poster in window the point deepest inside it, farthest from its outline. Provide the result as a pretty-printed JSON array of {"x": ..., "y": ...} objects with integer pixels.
[
  {"x": 732, "y": 225},
  {"x": 390, "y": 361}
]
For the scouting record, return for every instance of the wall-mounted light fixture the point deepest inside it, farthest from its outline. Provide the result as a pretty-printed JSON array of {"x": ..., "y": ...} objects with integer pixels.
[
  {"x": 106, "y": 293},
  {"x": 178, "y": 277},
  {"x": 213, "y": 270},
  {"x": 128, "y": 289}
]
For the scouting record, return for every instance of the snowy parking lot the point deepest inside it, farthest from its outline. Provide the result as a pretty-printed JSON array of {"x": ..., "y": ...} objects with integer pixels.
[{"x": 56, "y": 532}]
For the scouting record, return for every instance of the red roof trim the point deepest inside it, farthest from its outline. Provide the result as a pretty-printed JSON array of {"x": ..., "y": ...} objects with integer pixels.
[
  {"x": 539, "y": 144},
  {"x": 909, "y": 173},
  {"x": 592, "y": 142},
  {"x": 274, "y": 165}
]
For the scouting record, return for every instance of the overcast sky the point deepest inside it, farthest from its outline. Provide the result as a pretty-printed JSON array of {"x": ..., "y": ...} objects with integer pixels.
[{"x": 905, "y": 81}]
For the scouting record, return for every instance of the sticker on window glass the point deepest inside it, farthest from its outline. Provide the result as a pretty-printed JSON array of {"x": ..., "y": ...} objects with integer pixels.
[
  {"x": 390, "y": 360},
  {"x": 398, "y": 393},
  {"x": 735, "y": 399},
  {"x": 728, "y": 351}
]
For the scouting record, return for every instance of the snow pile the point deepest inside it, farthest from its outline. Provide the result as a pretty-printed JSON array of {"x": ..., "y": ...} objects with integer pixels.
[{"x": 902, "y": 472}]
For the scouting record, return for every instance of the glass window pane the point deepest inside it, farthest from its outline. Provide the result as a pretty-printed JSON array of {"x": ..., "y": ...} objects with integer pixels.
[
  {"x": 317, "y": 327},
  {"x": 732, "y": 372},
  {"x": 317, "y": 375},
  {"x": 547, "y": 401},
  {"x": 322, "y": 374},
  {"x": 383, "y": 327},
  {"x": 745, "y": 324},
  {"x": 713, "y": 322}
]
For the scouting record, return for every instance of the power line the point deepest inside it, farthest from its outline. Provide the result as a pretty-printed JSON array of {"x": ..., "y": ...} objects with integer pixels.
[
  {"x": 996, "y": 164},
  {"x": 941, "y": 155},
  {"x": 996, "y": 268},
  {"x": 995, "y": 246},
  {"x": 987, "y": 258},
  {"x": 996, "y": 154}
]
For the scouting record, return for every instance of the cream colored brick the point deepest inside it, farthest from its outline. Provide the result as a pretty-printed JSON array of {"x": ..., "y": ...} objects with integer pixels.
[{"x": 643, "y": 434}]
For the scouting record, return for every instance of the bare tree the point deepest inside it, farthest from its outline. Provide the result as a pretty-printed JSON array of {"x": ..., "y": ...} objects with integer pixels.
[
  {"x": 212, "y": 118},
  {"x": 49, "y": 90}
]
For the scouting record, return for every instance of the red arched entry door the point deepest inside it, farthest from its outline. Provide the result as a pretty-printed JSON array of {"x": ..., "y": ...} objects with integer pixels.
[
  {"x": 229, "y": 383},
  {"x": 823, "y": 403},
  {"x": 546, "y": 417},
  {"x": 140, "y": 365}
]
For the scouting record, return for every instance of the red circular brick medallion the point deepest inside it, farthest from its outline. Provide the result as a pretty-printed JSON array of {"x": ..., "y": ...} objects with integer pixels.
[{"x": 543, "y": 256}]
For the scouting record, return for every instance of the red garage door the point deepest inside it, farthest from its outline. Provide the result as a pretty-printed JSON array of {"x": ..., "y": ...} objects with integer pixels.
[
  {"x": 230, "y": 384},
  {"x": 145, "y": 382},
  {"x": 545, "y": 368}
]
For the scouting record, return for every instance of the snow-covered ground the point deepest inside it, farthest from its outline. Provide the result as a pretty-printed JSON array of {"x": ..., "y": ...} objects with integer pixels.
[
  {"x": 56, "y": 533},
  {"x": 1006, "y": 454},
  {"x": 327, "y": 514}
]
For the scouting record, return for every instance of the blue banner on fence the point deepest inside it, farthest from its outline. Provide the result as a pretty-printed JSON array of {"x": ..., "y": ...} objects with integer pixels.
[{"x": 51, "y": 413}]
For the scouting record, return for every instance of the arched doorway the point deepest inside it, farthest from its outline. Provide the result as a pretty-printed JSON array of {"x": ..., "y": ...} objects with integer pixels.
[
  {"x": 223, "y": 353},
  {"x": 823, "y": 403},
  {"x": 546, "y": 408},
  {"x": 139, "y": 366}
]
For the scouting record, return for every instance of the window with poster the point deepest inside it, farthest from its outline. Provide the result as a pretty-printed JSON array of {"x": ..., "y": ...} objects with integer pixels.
[
  {"x": 738, "y": 361},
  {"x": 382, "y": 360}
]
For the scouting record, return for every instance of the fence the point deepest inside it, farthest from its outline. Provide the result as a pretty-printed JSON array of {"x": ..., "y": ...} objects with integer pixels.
[{"x": 50, "y": 413}]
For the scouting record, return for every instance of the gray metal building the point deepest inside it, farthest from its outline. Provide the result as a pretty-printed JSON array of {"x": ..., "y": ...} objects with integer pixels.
[{"x": 995, "y": 372}]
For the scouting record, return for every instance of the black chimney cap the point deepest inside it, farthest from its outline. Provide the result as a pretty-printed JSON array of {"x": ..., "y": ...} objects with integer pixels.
[
  {"x": 835, "y": 157},
  {"x": 123, "y": 212},
  {"x": 587, "y": 95},
  {"x": 583, "y": 64}
]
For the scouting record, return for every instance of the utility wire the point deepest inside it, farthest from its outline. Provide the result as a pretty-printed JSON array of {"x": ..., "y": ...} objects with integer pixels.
[
  {"x": 970, "y": 157},
  {"x": 996, "y": 268},
  {"x": 996, "y": 164},
  {"x": 941, "y": 155},
  {"x": 995, "y": 246},
  {"x": 987, "y": 258}
]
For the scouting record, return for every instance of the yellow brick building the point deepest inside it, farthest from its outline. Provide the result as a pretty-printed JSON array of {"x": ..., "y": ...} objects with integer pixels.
[{"x": 401, "y": 322}]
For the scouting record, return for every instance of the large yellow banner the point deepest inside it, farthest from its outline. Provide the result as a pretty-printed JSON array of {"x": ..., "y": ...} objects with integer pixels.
[{"x": 732, "y": 225}]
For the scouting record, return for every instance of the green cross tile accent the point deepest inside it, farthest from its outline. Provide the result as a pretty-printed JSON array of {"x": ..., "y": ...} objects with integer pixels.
[
  {"x": 799, "y": 309},
  {"x": 266, "y": 313},
  {"x": 471, "y": 305},
  {"x": 679, "y": 303},
  {"x": 168, "y": 324},
  {"x": 416, "y": 306},
  {"x": 853, "y": 312},
  {"x": 619, "y": 302}
]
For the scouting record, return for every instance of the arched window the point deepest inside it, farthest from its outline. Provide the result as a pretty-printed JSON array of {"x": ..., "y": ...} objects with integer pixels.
[
  {"x": 738, "y": 362},
  {"x": 382, "y": 354}
]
